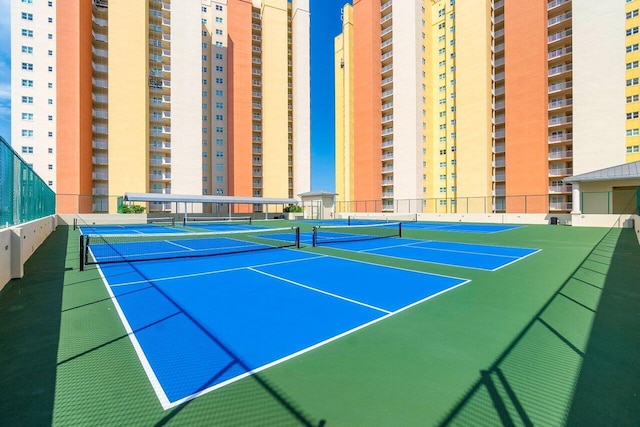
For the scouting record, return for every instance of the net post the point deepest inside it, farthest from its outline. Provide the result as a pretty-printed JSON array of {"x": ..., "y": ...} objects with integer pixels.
[
  {"x": 251, "y": 222},
  {"x": 82, "y": 252},
  {"x": 349, "y": 220},
  {"x": 314, "y": 239},
  {"x": 399, "y": 229},
  {"x": 184, "y": 221},
  {"x": 297, "y": 237},
  {"x": 173, "y": 221},
  {"x": 75, "y": 223}
]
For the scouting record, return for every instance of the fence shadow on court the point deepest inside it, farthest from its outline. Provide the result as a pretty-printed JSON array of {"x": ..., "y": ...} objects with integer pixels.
[
  {"x": 29, "y": 334},
  {"x": 575, "y": 363}
]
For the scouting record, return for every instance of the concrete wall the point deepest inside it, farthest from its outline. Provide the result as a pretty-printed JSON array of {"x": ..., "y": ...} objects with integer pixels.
[{"x": 18, "y": 243}]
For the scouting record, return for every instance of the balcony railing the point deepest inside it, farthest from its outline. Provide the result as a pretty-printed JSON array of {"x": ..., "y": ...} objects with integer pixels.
[
  {"x": 560, "y": 171},
  {"x": 560, "y": 154}
]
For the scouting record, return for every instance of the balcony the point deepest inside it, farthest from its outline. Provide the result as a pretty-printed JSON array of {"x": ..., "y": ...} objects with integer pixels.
[
  {"x": 160, "y": 146},
  {"x": 387, "y": 93},
  {"x": 559, "y": 69},
  {"x": 387, "y": 181},
  {"x": 560, "y": 189},
  {"x": 386, "y": 31},
  {"x": 499, "y": 148},
  {"x": 499, "y": 134},
  {"x": 560, "y": 206},
  {"x": 559, "y": 36},
  {"x": 557, "y": 87},
  {"x": 387, "y": 169},
  {"x": 100, "y": 191},
  {"x": 499, "y": 163},
  {"x": 561, "y": 103},
  {"x": 387, "y": 194},
  {"x": 557, "y": 53},
  {"x": 560, "y": 171},
  {"x": 561, "y": 154},
  {"x": 387, "y": 131},
  {"x": 387, "y": 156},
  {"x": 386, "y": 5},
  {"x": 556, "y": 3},
  {"x": 386, "y": 56},
  {"x": 100, "y": 144},
  {"x": 557, "y": 121},
  {"x": 558, "y": 19},
  {"x": 387, "y": 143},
  {"x": 160, "y": 190},
  {"x": 387, "y": 106},
  {"x": 160, "y": 161},
  {"x": 499, "y": 177},
  {"x": 100, "y": 160},
  {"x": 386, "y": 18},
  {"x": 565, "y": 137},
  {"x": 100, "y": 176}
]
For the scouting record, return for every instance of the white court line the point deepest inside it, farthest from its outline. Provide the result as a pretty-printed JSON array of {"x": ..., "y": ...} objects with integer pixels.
[
  {"x": 516, "y": 260},
  {"x": 206, "y": 273},
  {"x": 153, "y": 379},
  {"x": 320, "y": 291},
  {"x": 180, "y": 246}
]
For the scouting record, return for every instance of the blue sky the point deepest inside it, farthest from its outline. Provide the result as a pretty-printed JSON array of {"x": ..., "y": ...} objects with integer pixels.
[{"x": 325, "y": 25}]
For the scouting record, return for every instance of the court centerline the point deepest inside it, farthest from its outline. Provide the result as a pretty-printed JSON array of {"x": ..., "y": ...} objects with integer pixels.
[{"x": 373, "y": 307}]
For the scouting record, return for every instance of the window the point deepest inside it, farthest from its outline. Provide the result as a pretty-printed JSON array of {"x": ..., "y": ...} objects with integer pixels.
[
  {"x": 27, "y": 66},
  {"x": 633, "y": 132},
  {"x": 50, "y": 52},
  {"x": 49, "y": 183},
  {"x": 204, "y": 21},
  {"x": 632, "y": 65},
  {"x": 50, "y": 134},
  {"x": 630, "y": 149},
  {"x": 219, "y": 80},
  {"x": 219, "y": 117},
  {"x": 218, "y": 56},
  {"x": 50, "y": 150},
  {"x": 219, "y": 105},
  {"x": 27, "y": 150},
  {"x": 632, "y": 98},
  {"x": 204, "y": 154},
  {"x": 219, "y": 129},
  {"x": 219, "y": 68},
  {"x": 50, "y": 68},
  {"x": 219, "y": 191},
  {"x": 50, "y": 36},
  {"x": 50, "y": 118},
  {"x": 27, "y": 99},
  {"x": 218, "y": 20},
  {"x": 218, "y": 31},
  {"x": 218, "y": 44},
  {"x": 632, "y": 48},
  {"x": 219, "y": 154},
  {"x": 204, "y": 69},
  {"x": 218, "y": 7},
  {"x": 27, "y": 49},
  {"x": 204, "y": 8},
  {"x": 50, "y": 85},
  {"x": 632, "y": 14},
  {"x": 204, "y": 82},
  {"x": 27, "y": 33},
  {"x": 50, "y": 20},
  {"x": 50, "y": 167},
  {"x": 632, "y": 82},
  {"x": 27, "y": 16},
  {"x": 632, "y": 31},
  {"x": 204, "y": 34},
  {"x": 27, "y": 133},
  {"x": 27, "y": 116},
  {"x": 27, "y": 83},
  {"x": 27, "y": 1},
  {"x": 219, "y": 93},
  {"x": 219, "y": 141},
  {"x": 50, "y": 101},
  {"x": 633, "y": 115},
  {"x": 219, "y": 178}
]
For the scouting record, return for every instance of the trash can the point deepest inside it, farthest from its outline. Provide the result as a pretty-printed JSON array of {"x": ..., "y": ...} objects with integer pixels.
[{"x": 554, "y": 220}]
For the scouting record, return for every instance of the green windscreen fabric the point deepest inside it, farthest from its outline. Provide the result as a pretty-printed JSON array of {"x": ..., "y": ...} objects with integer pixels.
[{"x": 24, "y": 196}]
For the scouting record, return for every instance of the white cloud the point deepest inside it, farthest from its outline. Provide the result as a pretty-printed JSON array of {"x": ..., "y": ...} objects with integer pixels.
[{"x": 5, "y": 91}]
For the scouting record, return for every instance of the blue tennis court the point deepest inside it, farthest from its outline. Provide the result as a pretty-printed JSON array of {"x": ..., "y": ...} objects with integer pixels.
[
  {"x": 200, "y": 323},
  {"x": 468, "y": 255}
]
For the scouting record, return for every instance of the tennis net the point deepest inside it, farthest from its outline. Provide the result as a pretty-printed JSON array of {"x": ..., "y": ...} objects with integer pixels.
[
  {"x": 344, "y": 233},
  {"x": 378, "y": 219},
  {"x": 115, "y": 248},
  {"x": 166, "y": 221},
  {"x": 217, "y": 220}
]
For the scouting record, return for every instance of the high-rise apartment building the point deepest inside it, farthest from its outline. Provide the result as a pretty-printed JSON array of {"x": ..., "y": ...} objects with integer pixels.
[
  {"x": 469, "y": 106},
  {"x": 185, "y": 97}
]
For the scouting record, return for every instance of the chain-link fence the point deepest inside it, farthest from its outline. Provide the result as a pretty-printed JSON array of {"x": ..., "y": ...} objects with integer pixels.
[{"x": 24, "y": 196}]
